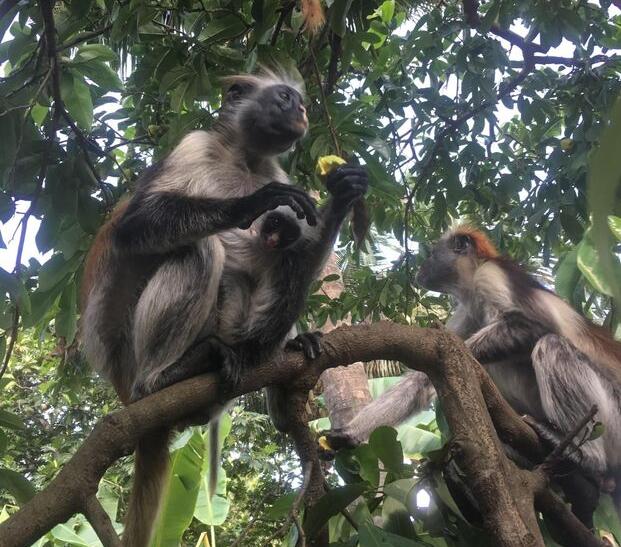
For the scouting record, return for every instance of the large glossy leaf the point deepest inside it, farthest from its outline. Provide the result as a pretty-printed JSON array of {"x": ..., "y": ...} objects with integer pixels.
[
  {"x": 213, "y": 511},
  {"x": 372, "y": 536},
  {"x": 180, "y": 493},
  {"x": 55, "y": 269},
  {"x": 383, "y": 441},
  {"x": 592, "y": 264},
  {"x": 604, "y": 184},
  {"x": 67, "y": 318},
  {"x": 17, "y": 485},
  {"x": 228, "y": 26},
  {"x": 606, "y": 517},
  {"x": 567, "y": 276},
  {"x": 77, "y": 99},
  {"x": 331, "y": 504}
]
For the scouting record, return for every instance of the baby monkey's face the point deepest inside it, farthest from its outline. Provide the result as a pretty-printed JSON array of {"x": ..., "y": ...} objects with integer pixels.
[{"x": 279, "y": 231}]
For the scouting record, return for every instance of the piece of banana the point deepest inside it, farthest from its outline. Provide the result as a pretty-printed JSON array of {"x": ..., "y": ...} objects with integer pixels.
[{"x": 326, "y": 164}]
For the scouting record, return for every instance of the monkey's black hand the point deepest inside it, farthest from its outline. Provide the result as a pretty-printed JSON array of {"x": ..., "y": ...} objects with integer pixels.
[
  {"x": 308, "y": 342},
  {"x": 347, "y": 184},
  {"x": 334, "y": 440},
  {"x": 274, "y": 195}
]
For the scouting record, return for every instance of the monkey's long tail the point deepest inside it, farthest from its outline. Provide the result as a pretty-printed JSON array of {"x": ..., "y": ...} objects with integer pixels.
[
  {"x": 214, "y": 455},
  {"x": 149, "y": 476}
]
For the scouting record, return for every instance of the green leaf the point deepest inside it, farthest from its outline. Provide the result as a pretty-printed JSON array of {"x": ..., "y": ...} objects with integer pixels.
[
  {"x": 100, "y": 73},
  {"x": 56, "y": 269},
  {"x": 223, "y": 28},
  {"x": 387, "y": 11},
  {"x": 4, "y": 441},
  {"x": 330, "y": 504},
  {"x": 606, "y": 517},
  {"x": 86, "y": 52},
  {"x": 604, "y": 182},
  {"x": 372, "y": 536},
  {"x": 400, "y": 489},
  {"x": 39, "y": 113},
  {"x": 10, "y": 420},
  {"x": 66, "y": 534},
  {"x": 17, "y": 485},
  {"x": 597, "y": 431},
  {"x": 383, "y": 441},
  {"x": 281, "y": 506},
  {"x": 77, "y": 99},
  {"x": 591, "y": 264},
  {"x": 567, "y": 276},
  {"x": 614, "y": 223},
  {"x": 180, "y": 493},
  {"x": 65, "y": 324},
  {"x": 213, "y": 511}
]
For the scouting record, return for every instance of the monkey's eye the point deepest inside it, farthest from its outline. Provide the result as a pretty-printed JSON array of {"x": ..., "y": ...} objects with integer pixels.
[{"x": 284, "y": 95}]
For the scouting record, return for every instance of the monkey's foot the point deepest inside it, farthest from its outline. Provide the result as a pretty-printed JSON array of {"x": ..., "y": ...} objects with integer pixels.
[{"x": 308, "y": 343}]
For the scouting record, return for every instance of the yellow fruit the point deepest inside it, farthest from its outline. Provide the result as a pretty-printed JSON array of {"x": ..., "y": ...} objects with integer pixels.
[
  {"x": 326, "y": 164},
  {"x": 323, "y": 442},
  {"x": 567, "y": 144}
]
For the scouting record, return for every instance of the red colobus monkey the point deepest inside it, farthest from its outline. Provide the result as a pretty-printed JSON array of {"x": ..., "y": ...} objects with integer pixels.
[
  {"x": 547, "y": 360},
  {"x": 194, "y": 264}
]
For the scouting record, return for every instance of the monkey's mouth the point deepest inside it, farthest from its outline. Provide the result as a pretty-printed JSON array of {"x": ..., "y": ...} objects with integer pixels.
[{"x": 272, "y": 241}]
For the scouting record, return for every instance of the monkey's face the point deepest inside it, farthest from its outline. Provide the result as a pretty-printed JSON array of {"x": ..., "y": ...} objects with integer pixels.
[
  {"x": 279, "y": 231},
  {"x": 447, "y": 264},
  {"x": 273, "y": 119}
]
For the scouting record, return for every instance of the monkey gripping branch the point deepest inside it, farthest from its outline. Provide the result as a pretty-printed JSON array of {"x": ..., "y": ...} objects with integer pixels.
[{"x": 478, "y": 417}]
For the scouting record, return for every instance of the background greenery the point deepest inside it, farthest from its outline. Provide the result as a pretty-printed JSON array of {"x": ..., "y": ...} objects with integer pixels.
[{"x": 451, "y": 120}]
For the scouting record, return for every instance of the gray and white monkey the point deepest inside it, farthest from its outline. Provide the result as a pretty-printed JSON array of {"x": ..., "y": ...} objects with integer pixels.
[
  {"x": 547, "y": 360},
  {"x": 194, "y": 264}
]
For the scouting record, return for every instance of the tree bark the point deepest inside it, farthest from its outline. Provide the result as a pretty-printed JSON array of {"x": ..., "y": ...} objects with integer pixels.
[{"x": 506, "y": 494}]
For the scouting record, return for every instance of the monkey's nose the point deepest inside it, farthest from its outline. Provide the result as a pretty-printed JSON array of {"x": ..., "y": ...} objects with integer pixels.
[{"x": 304, "y": 117}]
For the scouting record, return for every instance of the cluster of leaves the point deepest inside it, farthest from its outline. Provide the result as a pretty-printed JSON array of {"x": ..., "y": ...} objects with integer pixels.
[{"x": 450, "y": 120}]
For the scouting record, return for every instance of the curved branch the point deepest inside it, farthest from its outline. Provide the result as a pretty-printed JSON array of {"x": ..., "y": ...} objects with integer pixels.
[{"x": 506, "y": 493}]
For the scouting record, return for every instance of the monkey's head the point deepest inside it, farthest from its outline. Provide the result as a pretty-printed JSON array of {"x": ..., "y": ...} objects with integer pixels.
[
  {"x": 279, "y": 231},
  {"x": 267, "y": 111},
  {"x": 453, "y": 259}
]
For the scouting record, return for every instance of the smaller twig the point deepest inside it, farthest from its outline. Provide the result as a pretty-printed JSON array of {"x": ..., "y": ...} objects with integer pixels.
[
  {"x": 101, "y": 523},
  {"x": 284, "y": 12},
  {"x": 556, "y": 455},
  {"x": 324, "y": 104}
]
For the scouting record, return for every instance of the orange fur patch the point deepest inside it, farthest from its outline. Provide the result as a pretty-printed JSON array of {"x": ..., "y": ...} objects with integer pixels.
[
  {"x": 485, "y": 248},
  {"x": 314, "y": 17},
  {"x": 98, "y": 252}
]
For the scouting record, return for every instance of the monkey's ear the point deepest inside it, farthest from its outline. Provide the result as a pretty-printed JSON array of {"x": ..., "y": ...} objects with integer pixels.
[
  {"x": 239, "y": 86},
  {"x": 461, "y": 243}
]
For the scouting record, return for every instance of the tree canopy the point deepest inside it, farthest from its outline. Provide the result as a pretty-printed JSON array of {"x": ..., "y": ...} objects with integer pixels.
[{"x": 503, "y": 114}]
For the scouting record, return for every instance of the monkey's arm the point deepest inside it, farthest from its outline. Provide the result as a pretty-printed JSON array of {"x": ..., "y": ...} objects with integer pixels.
[
  {"x": 161, "y": 221},
  {"x": 412, "y": 394},
  {"x": 512, "y": 334}
]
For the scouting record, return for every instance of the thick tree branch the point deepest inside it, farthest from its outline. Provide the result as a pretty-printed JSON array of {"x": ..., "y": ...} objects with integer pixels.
[{"x": 506, "y": 493}]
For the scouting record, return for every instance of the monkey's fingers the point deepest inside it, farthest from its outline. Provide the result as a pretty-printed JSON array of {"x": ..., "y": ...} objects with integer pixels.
[
  {"x": 308, "y": 206},
  {"x": 336, "y": 177},
  {"x": 307, "y": 342}
]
